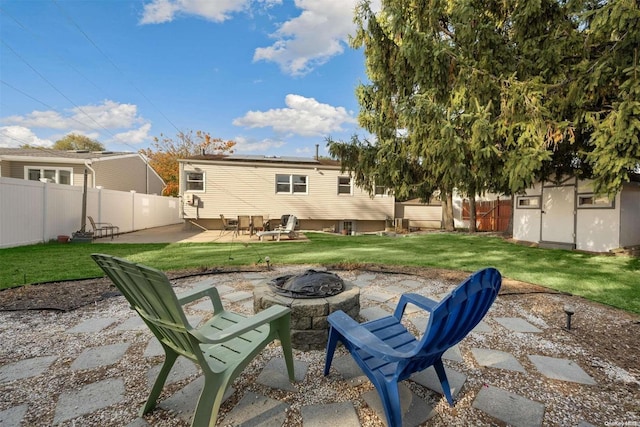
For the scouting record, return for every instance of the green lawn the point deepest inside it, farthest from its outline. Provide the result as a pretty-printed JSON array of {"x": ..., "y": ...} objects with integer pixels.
[{"x": 607, "y": 279}]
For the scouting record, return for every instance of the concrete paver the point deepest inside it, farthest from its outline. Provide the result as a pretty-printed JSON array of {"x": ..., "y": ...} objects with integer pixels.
[
  {"x": 341, "y": 414},
  {"x": 516, "y": 324},
  {"x": 103, "y": 355},
  {"x": 415, "y": 411},
  {"x": 509, "y": 407},
  {"x": 561, "y": 369},
  {"x": 88, "y": 399},
  {"x": 275, "y": 375},
  {"x": 26, "y": 368},
  {"x": 496, "y": 359},
  {"x": 257, "y": 410}
]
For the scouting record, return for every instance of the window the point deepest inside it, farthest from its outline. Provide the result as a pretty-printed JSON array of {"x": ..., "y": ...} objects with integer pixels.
[
  {"x": 590, "y": 201},
  {"x": 56, "y": 175},
  {"x": 195, "y": 181},
  {"x": 528, "y": 202},
  {"x": 344, "y": 185},
  {"x": 380, "y": 190},
  {"x": 291, "y": 184}
]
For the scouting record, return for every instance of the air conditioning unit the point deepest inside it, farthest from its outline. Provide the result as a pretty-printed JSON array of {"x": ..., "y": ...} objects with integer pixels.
[{"x": 190, "y": 199}]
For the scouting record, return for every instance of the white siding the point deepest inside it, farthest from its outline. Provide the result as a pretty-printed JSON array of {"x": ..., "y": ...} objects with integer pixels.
[
  {"x": 249, "y": 189},
  {"x": 527, "y": 222},
  {"x": 630, "y": 215}
]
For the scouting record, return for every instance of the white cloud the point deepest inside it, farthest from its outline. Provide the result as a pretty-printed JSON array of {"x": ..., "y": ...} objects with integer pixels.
[
  {"x": 311, "y": 39},
  {"x": 108, "y": 115},
  {"x": 245, "y": 145},
  {"x": 304, "y": 116},
  {"x": 134, "y": 136},
  {"x": 15, "y": 136},
  {"x": 161, "y": 11}
]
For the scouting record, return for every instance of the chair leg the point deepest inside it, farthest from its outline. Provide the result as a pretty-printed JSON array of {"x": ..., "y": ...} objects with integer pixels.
[
  {"x": 390, "y": 397},
  {"x": 331, "y": 348},
  {"x": 169, "y": 360},
  {"x": 283, "y": 329},
  {"x": 444, "y": 381},
  {"x": 206, "y": 413}
]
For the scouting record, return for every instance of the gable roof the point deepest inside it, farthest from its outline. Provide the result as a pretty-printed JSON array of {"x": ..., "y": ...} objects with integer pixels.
[
  {"x": 60, "y": 156},
  {"x": 235, "y": 158}
]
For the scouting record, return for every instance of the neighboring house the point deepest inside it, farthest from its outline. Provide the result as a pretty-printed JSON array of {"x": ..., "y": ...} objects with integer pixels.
[
  {"x": 569, "y": 215},
  {"x": 106, "y": 169},
  {"x": 312, "y": 189}
]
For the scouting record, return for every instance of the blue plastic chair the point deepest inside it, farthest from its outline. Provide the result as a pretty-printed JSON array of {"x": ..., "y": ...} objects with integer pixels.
[{"x": 388, "y": 353}]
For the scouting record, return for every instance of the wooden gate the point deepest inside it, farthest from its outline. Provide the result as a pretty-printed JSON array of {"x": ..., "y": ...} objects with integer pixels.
[{"x": 492, "y": 215}]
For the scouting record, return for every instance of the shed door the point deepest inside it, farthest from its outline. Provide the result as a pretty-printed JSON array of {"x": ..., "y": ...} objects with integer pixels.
[{"x": 558, "y": 218}]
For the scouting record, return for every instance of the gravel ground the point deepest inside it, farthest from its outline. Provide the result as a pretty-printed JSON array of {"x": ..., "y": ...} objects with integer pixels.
[{"x": 603, "y": 342}]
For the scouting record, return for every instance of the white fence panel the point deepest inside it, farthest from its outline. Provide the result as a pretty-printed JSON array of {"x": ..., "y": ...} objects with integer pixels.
[{"x": 34, "y": 212}]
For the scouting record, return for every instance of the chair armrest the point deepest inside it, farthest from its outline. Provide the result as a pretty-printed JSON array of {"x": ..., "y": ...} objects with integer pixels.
[
  {"x": 272, "y": 313},
  {"x": 362, "y": 338},
  {"x": 201, "y": 290},
  {"x": 423, "y": 302}
]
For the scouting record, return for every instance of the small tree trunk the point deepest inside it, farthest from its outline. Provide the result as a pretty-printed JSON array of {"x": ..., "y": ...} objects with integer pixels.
[
  {"x": 447, "y": 212},
  {"x": 472, "y": 214}
]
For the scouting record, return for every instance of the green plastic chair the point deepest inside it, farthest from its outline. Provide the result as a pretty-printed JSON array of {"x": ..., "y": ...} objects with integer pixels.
[{"x": 222, "y": 347}]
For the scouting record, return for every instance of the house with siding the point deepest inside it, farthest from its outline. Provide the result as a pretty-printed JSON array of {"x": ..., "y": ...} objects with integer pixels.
[
  {"x": 569, "y": 215},
  {"x": 312, "y": 189},
  {"x": 109, "y": 170}
]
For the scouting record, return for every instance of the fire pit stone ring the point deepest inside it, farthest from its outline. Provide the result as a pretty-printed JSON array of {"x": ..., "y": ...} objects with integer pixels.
[{"x": 309, "y": 326}]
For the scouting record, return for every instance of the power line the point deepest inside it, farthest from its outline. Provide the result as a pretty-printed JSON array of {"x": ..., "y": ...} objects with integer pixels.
[
  {"x": 55, "y": 88},
  {"x": 70, "y": 19}
]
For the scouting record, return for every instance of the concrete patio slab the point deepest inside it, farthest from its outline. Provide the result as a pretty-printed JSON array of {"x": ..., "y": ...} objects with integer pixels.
[
  {"x": 373, "y": 313},
  {"x": 516, "y": 324},
  {"x": 13, "y": 416},
  {"x": 88, "y": 399},
  {"x": 561, "y": 369},
  {"x": 255, "y": 410},
  {"x": 26, "y": 368},
  {"x": 429, "y": 379},
  {"x": 341, "y": 414},
  {"x": 415, "y": 411},
  {"x": 496, "y": 359},
  {"x": 103, "y": 355},
  {"x": 91, "y": 325},
  {"x": 182, "y": 369},
  {"x": 509, "y": 407},
  {"x": 349, "y": 370},
  {"x": 275, "y": 375}
]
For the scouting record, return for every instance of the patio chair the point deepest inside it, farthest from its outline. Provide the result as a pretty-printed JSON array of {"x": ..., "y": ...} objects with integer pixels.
[
  {"x": 288, "y": 230},
  {"x": 244, "y": 224},
  {"x": 222, "y": 347},
  {"x": 388, "y": 353},
  {"x": 228, "y": 225},
  {"x": 99, "y": 228},
  {"x": 257, "y": 223}
]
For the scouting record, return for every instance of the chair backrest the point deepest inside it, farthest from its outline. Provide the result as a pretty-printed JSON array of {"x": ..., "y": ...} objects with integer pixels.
[
  {"x": 244, "y": 221},
  {"x": 257, "y": 221},
  {"x": 224, "y": 220},
  {"x": 93, "y": 223},
  {"x": 149, "y": 292},
  {"x": 459, "y": 312},
  {"x": 291, "y": 223}
]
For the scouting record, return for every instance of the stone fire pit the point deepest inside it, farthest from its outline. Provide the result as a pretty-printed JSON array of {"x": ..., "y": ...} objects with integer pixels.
[{"x": 309, "y": 326}]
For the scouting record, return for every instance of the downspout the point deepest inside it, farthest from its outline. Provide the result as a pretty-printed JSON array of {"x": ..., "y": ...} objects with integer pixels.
[{"x": 87, "y": 164}]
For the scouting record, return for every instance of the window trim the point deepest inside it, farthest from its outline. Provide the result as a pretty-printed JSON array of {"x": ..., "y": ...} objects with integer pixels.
[
  {"x": 350, "y": 193},
  {"x": 43, "y": 168},
  {"x": 187, "y": 181},
  {"x": 292, "y": 184},
  {"x": 520, "y": 199},
  {"x": 597, "y": 202}
]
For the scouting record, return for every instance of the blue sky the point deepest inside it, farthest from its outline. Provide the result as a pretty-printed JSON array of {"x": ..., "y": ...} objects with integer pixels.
[{"x": 276, "y": 76}]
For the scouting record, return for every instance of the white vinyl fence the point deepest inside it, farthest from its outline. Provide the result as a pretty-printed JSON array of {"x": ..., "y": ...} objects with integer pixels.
[{"x": 34, "y": 212}]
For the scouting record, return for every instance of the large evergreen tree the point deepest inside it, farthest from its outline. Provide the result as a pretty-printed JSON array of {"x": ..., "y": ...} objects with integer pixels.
[{"x": 483, "y": 95}]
